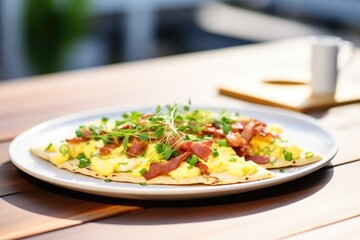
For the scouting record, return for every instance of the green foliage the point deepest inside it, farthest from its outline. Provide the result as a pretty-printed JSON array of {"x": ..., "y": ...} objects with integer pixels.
[{"x": 50, "y": 30}]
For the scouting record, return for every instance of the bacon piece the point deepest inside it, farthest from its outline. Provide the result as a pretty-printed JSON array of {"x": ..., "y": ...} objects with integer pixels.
[
  {"x": 248, "y": 132},
  {"x": 263, "y": 131},
  {"x": 201, "y": 149},
  {"x": 258, "y": 159},
  {"x": 241, "y": 151},
  {"x": 162, "y": 168},
  {"x": 87, "y": 134},
  {"x": 203, "y": 168},
  {"x": 238, "y": 126},
  {"x": 104, "y": 151},
  {"x": 112, "y": 145},
  {"x": 211, "y": 130},
  {"x": 136, "y": 148},
  {"x": 208, "y": 142},
  {"x": 235, "y": 139},
  {"x": 77, "y": 140},
  {"x": 185, "y": 146}
]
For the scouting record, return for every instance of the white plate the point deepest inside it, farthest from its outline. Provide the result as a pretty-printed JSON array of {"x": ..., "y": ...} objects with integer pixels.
[{"x": 299, "y": 128}]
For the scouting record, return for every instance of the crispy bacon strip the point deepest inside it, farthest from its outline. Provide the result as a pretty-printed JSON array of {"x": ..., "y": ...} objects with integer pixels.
[
  {"x": 77, "y": 140},
  {"x": 201, "y": 149},
  {"x": 235, "y": 139},
  {"x": 136, "y": 148},
  {"x": 258, "y": 159},
  {"x": 162, "y": 168},
  {"x": 248, "y": 133},
  {"x": 238, "y": 126},
  {"x": 104, "y": 151},
  {"x": 211, "y": 130},
  {"x": 203, "y": 168},
  {"x": 185, "y": 146}
]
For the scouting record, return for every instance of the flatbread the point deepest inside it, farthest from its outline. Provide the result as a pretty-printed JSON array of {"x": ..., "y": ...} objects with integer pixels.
[
  {"x": 217, "y": 178},
  {"x": 177, "y": 147}
]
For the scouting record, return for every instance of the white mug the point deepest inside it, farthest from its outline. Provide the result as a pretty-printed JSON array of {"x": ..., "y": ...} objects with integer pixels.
[{"x": 324, "y": 63}]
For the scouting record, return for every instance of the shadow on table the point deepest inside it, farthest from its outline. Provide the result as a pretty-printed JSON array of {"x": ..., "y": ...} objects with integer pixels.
[
  {"x": 197, "y": 209},
  {"x": 238, "y": 205}
]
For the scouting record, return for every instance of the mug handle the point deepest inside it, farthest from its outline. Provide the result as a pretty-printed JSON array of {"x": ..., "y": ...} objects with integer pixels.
[{"x": 351, "y": 46}]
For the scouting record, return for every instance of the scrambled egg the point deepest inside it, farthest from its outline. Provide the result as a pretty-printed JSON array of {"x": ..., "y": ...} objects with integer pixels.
[
  {"x": 274, "y": 148},
  {"x": 117, "y": 160}
]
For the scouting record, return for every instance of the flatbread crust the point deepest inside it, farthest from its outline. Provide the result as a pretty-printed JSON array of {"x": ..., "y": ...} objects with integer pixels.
[
  {"x": 303, "y": 160},
  {"x": 219, "y": 178}
]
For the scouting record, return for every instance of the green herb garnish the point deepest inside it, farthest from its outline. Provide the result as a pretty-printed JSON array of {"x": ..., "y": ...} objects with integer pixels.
[
  {"x": 192, "y": 160},
  {"x": 83, "y": 160},
  {"x": 223, "y": 143},
  {"x": 49, "y": 147},
  {"x": 215, "y": 152},
  {"x": 309, "y": 154},
  {"x": 232, "y": 159},
  {"x": 64, "y": 149},
  {"x": 288, "y": 156},
  {"x": 142, "y": 171}
]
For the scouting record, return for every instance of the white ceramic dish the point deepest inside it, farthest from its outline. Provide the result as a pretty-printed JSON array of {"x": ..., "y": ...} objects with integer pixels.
[{"x": 299, "y": 128}]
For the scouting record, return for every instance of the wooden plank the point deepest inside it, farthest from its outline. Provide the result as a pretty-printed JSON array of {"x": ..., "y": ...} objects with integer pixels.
[
  {"x": 4, "y": 154},
  {"x": 347, "y": 229},
  {"x": 344, "y": 123},
  {"x": 34, "y": 212},
  {"x": 322, "y": 198},
  {"x": 11, "y": 181}
]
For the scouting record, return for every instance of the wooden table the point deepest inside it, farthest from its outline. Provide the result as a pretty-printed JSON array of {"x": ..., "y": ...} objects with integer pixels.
[{"x": 323, "y": 204}]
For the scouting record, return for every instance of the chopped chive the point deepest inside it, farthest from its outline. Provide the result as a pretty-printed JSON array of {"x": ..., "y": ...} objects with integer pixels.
[
  {"x": 287, "y": 155},
  {"x": 208, "y": 138},
  {"x": 49, "y": 147},
  {"x": 192, "y": 160},
  {"x": 226, "y": 128},
  {"x": 142, "y": 184},
  {"x": 108, "y": 180},
  {"x": 281, "y": 170},
  {"x": 79, "y": 133},
  {"x": 64, "y": 149},
  {"x": 309, "y": 154},
  {"x": 215, "y": 152},
  {"x": 222, "y": 143},
  {"x": 83, "y": 160},
  {"x": 232, "y": 159},
  {"x": 142, "y": 171}
]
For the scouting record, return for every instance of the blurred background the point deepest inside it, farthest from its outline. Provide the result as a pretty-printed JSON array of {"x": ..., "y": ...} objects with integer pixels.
[{"x": 45, "y": 36}]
